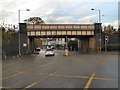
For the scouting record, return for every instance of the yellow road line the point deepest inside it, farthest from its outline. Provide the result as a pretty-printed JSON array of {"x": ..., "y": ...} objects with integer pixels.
[
  {"x": 32, "y": 84},
  {"x": 54, "y": 73},
  {"x": 19, "y": 72},
  {"x": 16, "y": 74},
  {"x": 36, "y": 82},
  {"x": 81, "y": 77},
  {"x": 71, "y": 76},
  {"x": 89, "y": 81},
  {"x": 11, "y": 70},
  {"x": 57, "y": 75},
  {"x": 11, "y": 76},
  {"x": 27, "y": 72},
  {"x": 101, "y": 78},
  {"x": 102, "y": 59}
]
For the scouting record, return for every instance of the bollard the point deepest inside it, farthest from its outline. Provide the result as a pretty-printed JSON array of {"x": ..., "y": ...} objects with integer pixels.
[{"x": 66, "y": 52}]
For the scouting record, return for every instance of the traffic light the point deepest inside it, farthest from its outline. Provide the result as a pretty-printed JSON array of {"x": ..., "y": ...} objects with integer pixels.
[{"x": 106, "y": 38}]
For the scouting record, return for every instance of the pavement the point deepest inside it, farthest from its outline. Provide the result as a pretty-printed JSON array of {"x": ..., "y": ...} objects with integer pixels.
[{"x": 81, "y": 71}]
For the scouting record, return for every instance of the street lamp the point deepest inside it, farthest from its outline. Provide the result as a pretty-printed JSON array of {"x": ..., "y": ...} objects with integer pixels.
[
  {"x": 99, "y": 14},
  {"x": 99, "y": 27},
  {"x": 19, "y": 28}
]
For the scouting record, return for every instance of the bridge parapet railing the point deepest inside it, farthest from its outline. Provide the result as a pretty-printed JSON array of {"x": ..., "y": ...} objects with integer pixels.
[{"x": 61, "y": 27}]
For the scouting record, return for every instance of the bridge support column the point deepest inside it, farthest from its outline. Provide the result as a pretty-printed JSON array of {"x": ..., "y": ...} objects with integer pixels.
[
  {"x": 30, "y": 45},
  {"x": 92, "y": 44},
  {"x": 86, "y": 44},
  {"x": 83, "y": 44},
  {"x": 23, "y": 38}
]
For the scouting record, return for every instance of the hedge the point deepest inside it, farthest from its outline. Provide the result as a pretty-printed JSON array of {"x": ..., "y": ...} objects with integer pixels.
[{"x": 112, "y": 47}]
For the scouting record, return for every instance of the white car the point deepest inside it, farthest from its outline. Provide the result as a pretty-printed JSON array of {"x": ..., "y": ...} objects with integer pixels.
[
  {"x": 49, "y": 52},
  {"x": 37, "y": 51}
]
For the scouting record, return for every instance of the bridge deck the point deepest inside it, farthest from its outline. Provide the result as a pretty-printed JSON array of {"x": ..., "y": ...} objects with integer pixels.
[{"x": 60, "y": 29}]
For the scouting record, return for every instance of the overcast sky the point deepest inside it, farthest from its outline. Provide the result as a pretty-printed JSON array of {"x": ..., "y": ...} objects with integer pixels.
[{"x": 60, "y": 11}]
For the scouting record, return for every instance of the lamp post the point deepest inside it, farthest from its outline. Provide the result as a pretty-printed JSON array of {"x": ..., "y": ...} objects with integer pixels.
[
  {"x": 99, "y": 27},
  {"x": 19, "y": 28},
  {"x": 99, "y": 14}
]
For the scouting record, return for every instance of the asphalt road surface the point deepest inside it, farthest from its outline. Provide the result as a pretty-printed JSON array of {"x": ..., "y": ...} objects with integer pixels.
[{"x": 73, "y": 71}]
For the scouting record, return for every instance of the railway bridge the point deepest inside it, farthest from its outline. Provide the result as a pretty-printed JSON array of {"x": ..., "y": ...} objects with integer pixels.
[{"x": 87, "y": 34}]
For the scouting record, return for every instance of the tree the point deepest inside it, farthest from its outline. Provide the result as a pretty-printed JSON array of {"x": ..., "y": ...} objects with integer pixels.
[
  {"x": 34, "y": 20},
  {"x": 109, "y": 29},
  {"x": 11, "y": 31},
  {"x": 6, "y": 37}
]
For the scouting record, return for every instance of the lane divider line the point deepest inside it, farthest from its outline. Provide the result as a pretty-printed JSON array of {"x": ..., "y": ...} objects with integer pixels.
[
  {"x": 81, "y": 77},
  {"x": 19, "y": 72},
  {"x": 32, "y": 84},
  {"x": 71, "y": 76},
  {"x": 36, "y": 82},
  {"x": 89, "y": 81},
  {"x": 54, "y": 73},
  {"x": 26, "y": 72},
  {"x": 102, "y": 59},
  {"x": 16, "y": 74},
  {"x": 11, "y": 76}
]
